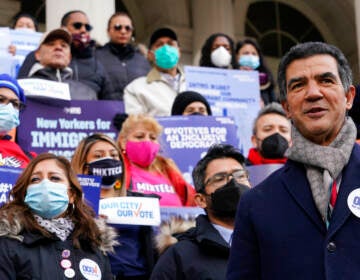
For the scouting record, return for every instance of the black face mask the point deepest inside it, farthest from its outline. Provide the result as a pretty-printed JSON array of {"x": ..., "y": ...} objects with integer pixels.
[
  {"x": 224, "y": 200},
  {"x": 109, "y": 169},
  {"x": 274, "y": 146}
]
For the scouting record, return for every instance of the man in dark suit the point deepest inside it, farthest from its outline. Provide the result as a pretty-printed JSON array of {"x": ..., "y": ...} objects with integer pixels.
[{"x": 303, "y": 221}]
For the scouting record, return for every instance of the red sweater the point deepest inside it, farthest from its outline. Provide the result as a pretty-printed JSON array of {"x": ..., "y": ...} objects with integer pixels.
[
  {"x": 12, "y": 155},
  {"x": 255, "y": 158}
]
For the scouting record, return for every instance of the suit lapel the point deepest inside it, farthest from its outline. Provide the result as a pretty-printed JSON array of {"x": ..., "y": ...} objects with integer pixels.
[
  {"x": 350, "y": 181},
  {"x": 297, "y": 185}
]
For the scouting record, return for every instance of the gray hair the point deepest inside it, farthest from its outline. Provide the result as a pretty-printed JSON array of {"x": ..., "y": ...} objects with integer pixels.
[
  {"x": 271, "y": 108},
  {"x": 309, "y": 49}
]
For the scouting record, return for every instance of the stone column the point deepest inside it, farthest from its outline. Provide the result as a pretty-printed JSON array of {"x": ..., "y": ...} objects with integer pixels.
[
  {"x": 97, "y": 11},
  {"x": 210, "y": 16}
]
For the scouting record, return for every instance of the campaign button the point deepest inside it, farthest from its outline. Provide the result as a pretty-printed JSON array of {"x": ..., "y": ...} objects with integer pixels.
[
  {"x": 69, "y": 273},
  {"x": 353, "y": 202},
  {"x": 90, "y": 269},
  {"x": 65, "y": 253},
  {"x": 65, "y": 263}
]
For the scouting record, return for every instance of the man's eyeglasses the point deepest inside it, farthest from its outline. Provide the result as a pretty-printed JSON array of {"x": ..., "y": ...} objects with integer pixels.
[
  {"x": 118, "y": 27},
  {"x": 219, "y": 179},
  {"x": 17, "y": 104},
  {"x": 78, "y": 25}
]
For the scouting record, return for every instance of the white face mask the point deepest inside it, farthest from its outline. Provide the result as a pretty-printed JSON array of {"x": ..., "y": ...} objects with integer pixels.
[{"x": 220, "y": 57}]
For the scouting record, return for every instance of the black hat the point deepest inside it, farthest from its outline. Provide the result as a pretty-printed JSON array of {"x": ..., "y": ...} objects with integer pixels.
[
  {"x": 162, "y": 32},
  {"x": 184, "y": 99}
]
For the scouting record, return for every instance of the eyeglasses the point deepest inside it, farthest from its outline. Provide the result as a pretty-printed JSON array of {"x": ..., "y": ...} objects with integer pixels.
[
  {"x": 78, "y": 25},
  {"x": 17, "y": 104},
  {"x": 219, "y": 179},
  {"x": 118, "y": 27}
]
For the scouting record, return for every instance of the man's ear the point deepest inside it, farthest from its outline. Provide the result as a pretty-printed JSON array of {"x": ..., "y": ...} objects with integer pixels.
[
  {"x": 37, "y": 54},
  {"x": 254, "y": 141},
  {"x": 151, "y": 56},
  {"x": 286, "y": 108},
  {"x": 200, "y": 200}
]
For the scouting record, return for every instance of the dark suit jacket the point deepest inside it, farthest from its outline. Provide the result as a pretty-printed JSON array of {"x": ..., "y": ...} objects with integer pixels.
[{"x": 279, "y": 233}]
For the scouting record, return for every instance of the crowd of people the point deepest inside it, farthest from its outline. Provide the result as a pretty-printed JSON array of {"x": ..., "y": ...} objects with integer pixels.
[{"x": 301, "y": 222}]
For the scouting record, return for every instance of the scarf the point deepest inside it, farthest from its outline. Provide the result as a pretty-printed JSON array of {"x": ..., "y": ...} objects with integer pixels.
[
  {"x": 256, "y": 158},
  {"x": 61, "y": 227},
  {"x": 323, "y": 163}
]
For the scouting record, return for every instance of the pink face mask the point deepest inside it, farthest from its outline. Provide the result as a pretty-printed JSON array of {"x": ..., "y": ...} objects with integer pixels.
[{"x": 142, "y": 153}]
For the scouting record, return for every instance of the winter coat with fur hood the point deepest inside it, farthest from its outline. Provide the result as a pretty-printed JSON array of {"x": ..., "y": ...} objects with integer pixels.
[
  {"x": 30, "y": 255},
  {"x": 200, "y": 253}
]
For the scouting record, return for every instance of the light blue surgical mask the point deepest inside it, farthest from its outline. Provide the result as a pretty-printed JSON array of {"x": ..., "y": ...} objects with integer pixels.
[
  {"x": 248, "y": 60},
  {"x": 166, "y": 57},
  {"x": 9, "y": 118},
  {"x": 47, "y": 199}
]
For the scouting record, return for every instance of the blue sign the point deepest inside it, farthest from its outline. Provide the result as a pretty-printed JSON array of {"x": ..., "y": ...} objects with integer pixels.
[
  {"x": 233, "y": 93},
  {"x": 186, "y": 138}
]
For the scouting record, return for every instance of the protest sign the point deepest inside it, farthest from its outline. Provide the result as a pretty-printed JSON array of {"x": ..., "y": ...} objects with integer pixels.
[
  {"x": 234, "y": 93},
  {"x": 186, "y": 138},
  {"x": 91, "y": 186},
  {"x": 45, "y": 89},
  {"x": 57, "y": 126},
  {"x": 25, "y": 41},
  {"x": 8, "y": 177},
  {"x": 131, "y": 210},
  {"x": 8, "y": 63}
]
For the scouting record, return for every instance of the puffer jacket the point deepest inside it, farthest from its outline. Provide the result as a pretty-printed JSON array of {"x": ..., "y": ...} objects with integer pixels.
[
  {"x": 123, "y": 64},
  {"x": 30, "y": 255}
]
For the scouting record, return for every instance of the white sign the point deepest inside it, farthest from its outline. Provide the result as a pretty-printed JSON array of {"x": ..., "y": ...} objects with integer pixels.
[
  {"x": 25, "y": 41},
  {"x": 45, "y": 88},
  {"x": 5, "y": 41},
  {"x": 131, "y": 210}
]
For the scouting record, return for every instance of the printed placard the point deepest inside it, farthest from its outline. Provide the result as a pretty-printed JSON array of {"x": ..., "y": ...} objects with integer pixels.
[
  {"x": 230, "y": 92},
  {"x": 131, "y": 210},
  {"x": 45, "y": 89},
  {"x": 91, "y": 186}
]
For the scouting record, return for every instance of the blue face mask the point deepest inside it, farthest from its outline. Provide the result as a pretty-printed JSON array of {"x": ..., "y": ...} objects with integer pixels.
[
  {"x": 248, "y": 60},
  {"x": 47, "y": 199},
  {"x": 9, "y": 118},
  {"x": 166, "y": 57}
]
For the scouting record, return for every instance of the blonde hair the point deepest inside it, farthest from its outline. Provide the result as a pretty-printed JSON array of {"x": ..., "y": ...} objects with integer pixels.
[
  {"x": 160, "y": 164},
  {"x": 132, "y": 121}
]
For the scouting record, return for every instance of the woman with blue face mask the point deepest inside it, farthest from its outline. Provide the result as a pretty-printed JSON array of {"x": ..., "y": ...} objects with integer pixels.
[
  {"x": 250, "y": 58},
  {"x": 99, "y": 155},
  {"x": 47, "y": 230}
]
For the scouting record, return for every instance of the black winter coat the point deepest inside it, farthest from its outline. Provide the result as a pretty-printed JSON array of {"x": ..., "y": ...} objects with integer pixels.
[
  {"x": 122, "y": 64},
  {"x": 201, "y": 253},
  {"x": 30, "y": 256}
]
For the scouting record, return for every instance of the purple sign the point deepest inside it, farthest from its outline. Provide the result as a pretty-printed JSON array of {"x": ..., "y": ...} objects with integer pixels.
[
  {"x": 8, "y": 177},
  {"x": 186, "y": 138},
  {"x": 57, "y": 126}
]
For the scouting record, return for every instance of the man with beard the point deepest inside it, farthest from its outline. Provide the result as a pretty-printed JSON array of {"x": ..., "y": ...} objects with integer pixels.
[
  {"x": 202, "y": 252},
  {"x": 86, "y": 68}
]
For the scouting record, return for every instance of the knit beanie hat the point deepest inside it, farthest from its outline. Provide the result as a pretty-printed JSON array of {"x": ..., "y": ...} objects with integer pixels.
[
  {"x": 184, "y": 98},
  {"x": 7, "y": 81}
]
